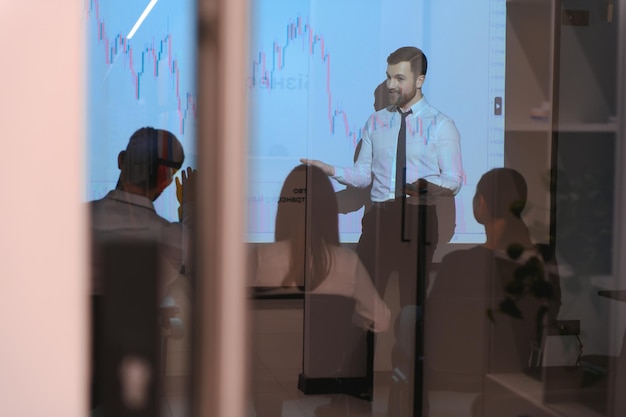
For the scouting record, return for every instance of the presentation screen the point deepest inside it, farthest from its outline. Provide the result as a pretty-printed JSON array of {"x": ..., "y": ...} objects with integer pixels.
[
  {"x": 141, "y": 72},
  {"x": 312, "y": 71}
]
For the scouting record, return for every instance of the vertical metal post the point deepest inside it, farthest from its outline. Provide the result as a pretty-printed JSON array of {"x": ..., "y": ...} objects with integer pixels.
[{"x": 420, "y": 297}]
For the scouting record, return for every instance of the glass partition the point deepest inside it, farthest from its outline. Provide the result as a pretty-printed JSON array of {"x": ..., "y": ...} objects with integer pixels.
[
  {"x": 340, "y": 259},
  {"x": 140, "y": 164},
  {"x": 434, "y": 210},
  {"x": 499, "y": 293}
]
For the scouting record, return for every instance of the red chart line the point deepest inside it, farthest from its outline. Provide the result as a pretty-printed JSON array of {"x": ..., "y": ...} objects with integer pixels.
[
  {"x": 294, "y": 31},
  {"x": 158, "y": 51}
]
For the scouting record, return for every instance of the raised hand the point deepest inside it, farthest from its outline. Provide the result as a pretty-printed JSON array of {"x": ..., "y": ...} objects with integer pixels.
[{"x": 186, "y": 188}]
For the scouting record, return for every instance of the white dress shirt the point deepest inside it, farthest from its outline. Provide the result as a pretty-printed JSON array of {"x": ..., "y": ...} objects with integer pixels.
[{"x": 433, "y": 152}]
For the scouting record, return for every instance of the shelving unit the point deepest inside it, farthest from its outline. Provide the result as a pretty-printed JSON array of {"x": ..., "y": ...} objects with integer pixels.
[{"x": 562, "y": 55}]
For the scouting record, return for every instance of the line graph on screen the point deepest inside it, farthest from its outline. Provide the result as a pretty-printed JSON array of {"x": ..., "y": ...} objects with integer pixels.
[{"x": 143, "y": 77}]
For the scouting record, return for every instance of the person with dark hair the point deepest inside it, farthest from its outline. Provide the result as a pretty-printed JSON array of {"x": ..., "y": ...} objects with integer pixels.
[
  {"x": 307, "y": 254},
  {"x": 503, "y": 193},
  {"x": 316, "y": 227},
  {"x": 149, "y": 162},
  {"x": 147, "y": 166},
  {"x": 125, "y": 217},
  {"x": 477, "y": 319},
  {"x": 411, "y": 156}
]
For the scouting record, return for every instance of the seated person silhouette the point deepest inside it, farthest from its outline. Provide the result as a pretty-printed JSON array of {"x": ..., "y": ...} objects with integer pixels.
[
  {"x": 147, "y": 168},
  {"x": 126, "y": 218},
  {"x": 482, "y": 312},
  {"x": 307, "y": 254},
  {"x": 477, "y": 318},
  {"x": 340, "y": 302}
]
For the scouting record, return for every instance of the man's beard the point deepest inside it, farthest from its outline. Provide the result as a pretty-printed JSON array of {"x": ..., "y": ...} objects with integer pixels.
[{"x": 402, "y": 99}]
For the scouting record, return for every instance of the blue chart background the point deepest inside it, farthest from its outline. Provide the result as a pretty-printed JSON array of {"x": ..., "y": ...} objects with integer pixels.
[
  {"x": 289, "y": 111},
  {"x": 316, "y": 102},
  {"x": 115, "y": 110}
]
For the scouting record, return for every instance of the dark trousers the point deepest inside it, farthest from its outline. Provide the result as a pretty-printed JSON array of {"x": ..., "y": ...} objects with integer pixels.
[{"x": 390, "y": 244}]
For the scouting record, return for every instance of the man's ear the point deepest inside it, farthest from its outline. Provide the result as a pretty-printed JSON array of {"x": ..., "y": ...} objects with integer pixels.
[
  {"x": 120, "y": 159},
  {"x": 420, "y": 81}
]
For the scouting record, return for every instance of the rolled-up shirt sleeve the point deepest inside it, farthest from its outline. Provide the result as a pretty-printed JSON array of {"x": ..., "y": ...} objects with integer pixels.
[
  {"x": 448, "y": 150},
  {"x": 433, "y": 153}
]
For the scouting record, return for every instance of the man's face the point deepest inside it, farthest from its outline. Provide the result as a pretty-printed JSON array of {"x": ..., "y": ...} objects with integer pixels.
[{"x": 402, "y": 85}]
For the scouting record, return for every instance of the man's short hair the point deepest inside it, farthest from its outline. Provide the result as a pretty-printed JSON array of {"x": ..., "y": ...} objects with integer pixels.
[
  {"x": 411, "y": 54},
  {"x": 504, "y": 191},
  {"x": 151, "y": 158}
]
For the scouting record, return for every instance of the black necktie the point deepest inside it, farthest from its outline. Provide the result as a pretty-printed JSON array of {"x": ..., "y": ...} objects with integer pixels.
[{"x": 401, "y": 155}]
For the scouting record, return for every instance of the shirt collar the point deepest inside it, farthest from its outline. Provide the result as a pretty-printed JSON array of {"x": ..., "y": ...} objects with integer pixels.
[
  {"x": 130, "y": 198},
  {"x": 419, "y": 106}
]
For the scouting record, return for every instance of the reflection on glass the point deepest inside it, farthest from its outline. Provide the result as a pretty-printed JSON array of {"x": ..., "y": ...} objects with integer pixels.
[
  {"x": 307, "y": 253},
  {"x": 310, "y": 89},
  {"x": 490, "y": 305},
  {"x": 528, "y": 319},
  {"x": 141, "y": 160},
  {"x": 147, "y": 79},
  {"x": 341, "y": 303},
  {"x": 310, "y": 94}
]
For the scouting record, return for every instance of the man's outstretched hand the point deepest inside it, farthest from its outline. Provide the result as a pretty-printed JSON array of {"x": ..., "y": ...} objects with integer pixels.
[{"x": 328, "y": 169}]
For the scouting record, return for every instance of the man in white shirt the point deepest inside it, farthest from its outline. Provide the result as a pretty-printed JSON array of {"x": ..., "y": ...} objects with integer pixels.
[{"x": 429, "y": 167}]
